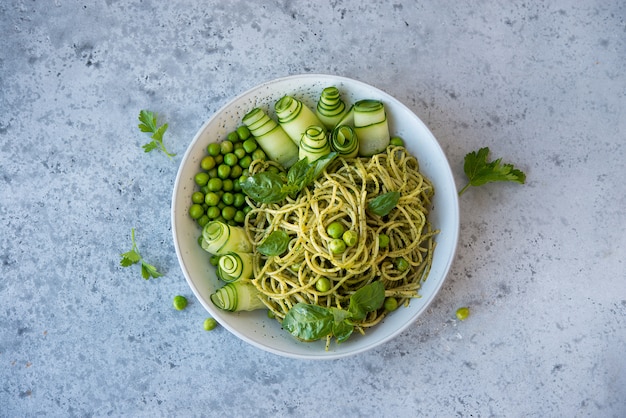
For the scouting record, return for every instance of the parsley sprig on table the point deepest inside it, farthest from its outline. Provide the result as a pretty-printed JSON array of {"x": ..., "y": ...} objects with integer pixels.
[
  {"x": 479, "y": 171},
  {"x": 149, "y": 124},
  {"x": 133, "y": 257}
]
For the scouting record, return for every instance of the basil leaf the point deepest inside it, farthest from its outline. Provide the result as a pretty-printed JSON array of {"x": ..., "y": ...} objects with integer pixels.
[
  {"x": 381, "y": 205},
  {"x": 299, "y": 172},
  {"x": 308, "y": 322},
  {"x": 265, "y": 187},
  {"x": 321, "y": 163},
  {"x": 342, "y": 330},
  {"x": 367, "y": 299},
  {"x": 276, "y": 243}
]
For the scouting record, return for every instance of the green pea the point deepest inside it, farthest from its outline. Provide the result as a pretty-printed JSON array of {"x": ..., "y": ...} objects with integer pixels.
[
  {"x": 209, "y": 324},
  {"x": 238, "y": 145},
  {"x": 396, "y": 140},
  {"x": 271, "y": 314},
  {"x": 235, "y": 172},
  {"x": 221, "y": 205},
  {"x": 462, "y": 313},
  {"x": 212, "y": 172},
  {"x": 219, "y": 159},
  {"x": 350, "y": 238},
  {"x": 230, "y": 159},
  {"x": 390, "y": 304},
  {"x": 214, "y": 260},
  {"x": 337, "y": 246},
  {"x": 401, "y": 264},
  {"x": 223, "y": 171},
  {"x": 227, "y": 185},
  {"x": 180, "y": 302},
  {"x": 335, "y": 229},
  {"x": 259, "y": 155},
  {"x": 196, "y": 211},
  {"x": 243, "y": 132},
  {"x": 245, "y": 161},
  {"x": 203, "y": 220},
  {"x": 232, "y": 136},
  {"x": 197, "y": 197},
  {"x": 204, "y": 189},
  {"x": 201, "y": 178},
  {"x": 229, "y": 213},
  {"x": 236, "y": 185},
  {"x": 213, "y": 149},
  {"x": 246, "y": 209},
  {"x": 322, "y": 284},
  {"x": 207, "y": 163},
  {"x": 239, "y": 200},
  {"x": 228, "y": 198},
  {"x": 213, "y": 212},
  {"x": 240, "y": 217},
  {"x": 215, "y": 184},
  {"x": 383, "y": 240},
  {"x": 250, "y": 145},
  {"x": 240, "y": 153},
  {"x": 211, "y": 199},
  {"x": 226, "y": 147}
]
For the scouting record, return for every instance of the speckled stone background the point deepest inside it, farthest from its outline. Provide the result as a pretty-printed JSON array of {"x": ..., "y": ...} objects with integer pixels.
[{"x": 541, "y": 266}]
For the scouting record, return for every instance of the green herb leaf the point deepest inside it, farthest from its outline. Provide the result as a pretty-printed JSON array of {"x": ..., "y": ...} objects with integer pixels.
[
  {"x": 367, "y": 299},
  {"x": 148, "y": 123},
  {"x": 308, "y": 322},
  {"x": 480, "y": 172},
  {"x": 382, "y": 204},
  {"x": 133, "y": 257},
  {"x": 129, "y": 258},
  {"x": 265, "y": 187},
  {"x": 342, "y": 330},
  {"x": 276, "y": 243},
  {"x": 299, "y": 175},
  {"x": 321, "y": 163}
]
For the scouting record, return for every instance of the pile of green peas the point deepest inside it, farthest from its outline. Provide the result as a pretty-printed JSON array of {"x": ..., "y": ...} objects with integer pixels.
[{"x": 225, "y": 166}]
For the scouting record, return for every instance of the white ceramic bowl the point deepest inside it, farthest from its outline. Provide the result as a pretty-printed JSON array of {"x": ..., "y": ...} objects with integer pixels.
[{"x": 255, "y": 327}]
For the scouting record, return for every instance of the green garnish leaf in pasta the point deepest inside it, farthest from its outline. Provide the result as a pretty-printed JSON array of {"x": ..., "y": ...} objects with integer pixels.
[
  {"x": 381, "y": 205},
  {"x": 300, "y": 174},
  {"x": 480, "y": 172},
  {"x": 367, "y": 299},
  {"x": 276, "y": 243},
  {"x": 265, "y": 187},
  {"x": 342, "y": 330},
  {"x": 308, "y": 322}
]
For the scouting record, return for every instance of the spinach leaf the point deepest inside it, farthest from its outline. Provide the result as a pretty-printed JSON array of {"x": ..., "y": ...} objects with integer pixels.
[
  {"x": 265, "y": 187},
  {"x": 276, "y": 243},
  {"x": 381, "y": 205},
  {"x": 367, "y": 299},
  {"x": 308, "y": 322}
]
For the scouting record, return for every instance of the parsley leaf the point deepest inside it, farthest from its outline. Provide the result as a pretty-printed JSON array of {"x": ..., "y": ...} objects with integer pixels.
[
  {"x": 133, "y": 257},
  {"x": 480, "y": 172},
  {"x": 149, "y": 124}
]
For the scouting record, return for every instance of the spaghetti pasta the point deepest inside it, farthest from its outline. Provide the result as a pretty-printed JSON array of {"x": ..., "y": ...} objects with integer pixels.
[{"x": 341, "y": 194}]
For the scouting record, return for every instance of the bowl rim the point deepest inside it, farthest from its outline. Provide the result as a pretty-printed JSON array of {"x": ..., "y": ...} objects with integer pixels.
[{"x": 454, "y": 208}]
